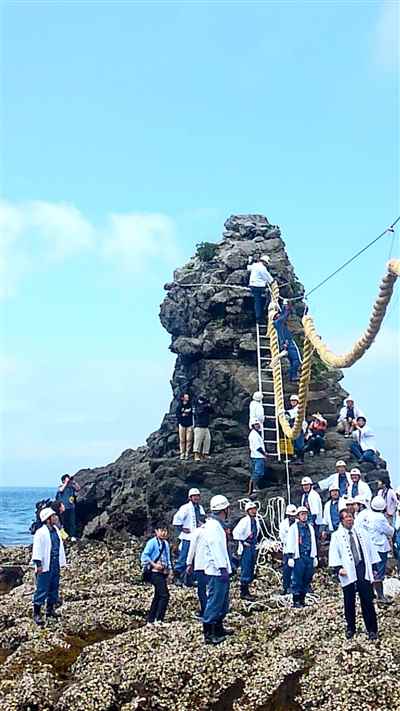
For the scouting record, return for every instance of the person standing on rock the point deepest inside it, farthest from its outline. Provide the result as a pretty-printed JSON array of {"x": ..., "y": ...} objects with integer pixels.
[
  {"x": 202, "y": 437},
  {"x": 217, "y": 567},
  {"x": 256, "y": 410},
  {"x": 288, "y": 521},
  {"x": 358, "y": 486},
  {"x": 67, "y": 494},
  {"x": 396, "y": 539},
  {"x": 156, "y": 557},
  {"x": 312, "y": 502},
  {"x": 362, "y": 513},
  {"x": 381, "y": 534},
  {"x": 388, "y": 494},
  {"x": 341, "y": 479},
  {"x": 184, "y": 415},
  {"x": 302, "y": 552},
  {"x": 246, "y": 532},
  {"x": 260, "y": 278},
  {"x": 188, "y": 517},
  {"x": 258, "y": 456},
  {"x": 331, "y": 513},
  {"x": 48, "y": 557},
  {"x": 352, "y": 556},
  {"x": 195, "y": 564}
]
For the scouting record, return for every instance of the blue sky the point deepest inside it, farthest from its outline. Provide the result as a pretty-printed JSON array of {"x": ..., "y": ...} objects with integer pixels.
[{"x": 131, "y": 132}]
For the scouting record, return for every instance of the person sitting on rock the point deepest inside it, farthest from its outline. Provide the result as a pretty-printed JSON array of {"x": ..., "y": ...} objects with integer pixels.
[
  {"x": 258, "y": 456},
  {"x": 315, "y": 435},
  {"x": 67, "y": 494},
  {"x": 246, "y": 532},
  {"x": 358, "y": 486},
  {"x": 48, "y": 557},
  {"x": 363, "y": 446},
  {"x": 184, "y": 415},
  {"x": 348, "y": 413},
  {"x": 341, "y": 479},
  {"x": 298, "y": 443},
  {"x": 381, "y": 534},
  {"x": 388, "y": 494},
  {"x": 202, "y": 437},
  {"x": 188, "y": 517},
  {"x": 331, "y": 513},
  {"x": 302, "y": 551},
  {"x": 311, "y": 500},
  {"x": 284, "y": 526},
  {"x": 260, "y": 278},
  {"x": 256, "y": 411},
  {"x": 156, "y": 557},
  {"x": 287, "y": 344}
]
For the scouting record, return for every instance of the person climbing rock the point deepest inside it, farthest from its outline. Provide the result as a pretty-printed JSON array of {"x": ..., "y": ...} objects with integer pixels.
[
  {"x": 302, "y": 551},
  {"x": 246, "y": 532},
  {"x": 285, "y": 524},
  {"x": 286, "y": 341},
  {"x": 298, "y": 443},
  {"x": 381, "y": 534},
  {"x": 352, "y": 556},
  {"x": 363, "y": 446},
  {"x": 348, "y": 413},
  {"x": 258, "y": 457},
  {"x": 67, "y": 494},
  {"x": 202, "y": 437},
  {"x": 260, "y": 278},
  {"x": 188, "y": 517},
  {"x": 184, "y": 415},
  {"x": 315, "y": 435},
  {"x": 48, "y": 556},
  {"x": 331, "y": 513},
  {"x": 156, "y": 558}
]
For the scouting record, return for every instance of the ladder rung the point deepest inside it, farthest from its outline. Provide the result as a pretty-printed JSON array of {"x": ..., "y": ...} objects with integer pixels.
[
  {"x": 267, "y": 404},
  {"x": 270, "y": 441}
]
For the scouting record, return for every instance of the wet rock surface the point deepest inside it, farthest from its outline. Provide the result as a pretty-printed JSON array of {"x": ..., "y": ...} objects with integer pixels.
[{"x": 102, "y": 656}]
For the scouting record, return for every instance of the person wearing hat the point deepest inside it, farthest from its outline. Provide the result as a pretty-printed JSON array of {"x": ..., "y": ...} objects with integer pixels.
[
  {"x": 348, "y": 413},
  {"x": 352, "y": 555},
  {"x": 396, "y": 540},
  {"x": 287, "y": 344},
  {"x": 331, "y": 513},
  {"x": 341, "y": 479},
  {"x": 298, "y": 443},
  {"x": 258, "y": 456},
  {"x": 195, "y": 564},
  {"x": 302, "y": 551},
  {"x": 381, "y": 533},
  {"x": 184, "y": 415},
  {"x": 217, "y": 567},
  {"x": 48, "y": 556},
  {"x": 358, "y": 486},
  {"x": 246, "y": 532},
  {"x": 313, "y": 503},
  {"x": 256, "y": 411},
  {"x": 187, "y": 519},
  {"x": 260, "y": 278},
  {"x": 202, "y": 436},
  {"x": 67, "y": 494},
  {"x": 363, "y": 446},
  {"x": 315, "y": 435},
  {"x": 362, "y": 511},
  {"x": 284, "y": 526},
  {"x": 156, "y": 557}
]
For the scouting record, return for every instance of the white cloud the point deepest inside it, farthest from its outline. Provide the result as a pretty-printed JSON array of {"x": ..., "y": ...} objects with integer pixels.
[
  {"x": 62, "y": 227},
  {"x": 386, "y": 40}
]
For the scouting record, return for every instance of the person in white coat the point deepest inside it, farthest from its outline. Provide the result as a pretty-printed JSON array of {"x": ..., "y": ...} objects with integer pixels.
[
  {"x": 284, "y": 526},
  {"x": 196, "y": 562},
  {"x": 358, "y": 487},
  {"x": 48, "y": 556},
  {"x": 348, "y": 413},
  {"x": 298, "y": 443},
  {"x": 362, "y": 512},
  {"x": 217, "y": 567},
  {"x": 256, "y": 411},
  {"x": 331, "y": 513},
  {"x": 363, "y": 446},
  {"x": 258, "y": 457},
  {"x": 187, "y": 518},
  {"x": 341, "y": 479},
  {"x": 302, "y": 551},
  {"x": 352, "y": 555},
  {"x": 246, "y": 532},
  {"x": 381, "y": 533},
  {"x": 313, "y": 503},
  {"x": 260, "y": 278},
  {"x": 396, "y": 540},
  {"x": 386, "y": 492}
]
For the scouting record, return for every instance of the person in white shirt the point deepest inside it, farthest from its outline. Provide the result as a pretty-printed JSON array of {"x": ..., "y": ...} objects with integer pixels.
[
  {"x": 358, "y": 487},
  {"x": 298, "y": 443},
  {"x": 331, "y": 513},
  {"x": 48, "y": 557},
  {"x": 196, "y": 562},
  {"x": 362, "y": 512},
  {"x": 363, "y": 446},
  {"x": 256, "y": 411},
  {"x": 381, "y": 533},
  {"x": 217, "y": 567},
  {"x": 246, "y": 532},
  {"x": 352, "y": 555},
  {"x": 258, "y": 456},
  {"x": 284, "y": 526},
  {"x": 313, "y": 503},
  {"x": 396, "y": 540},
  {"x": 341, "y": 479},
  {"x": 387, "y": 493},
  {"x": 348, "y": 413},
  {"x": 302, "y": 551},
  {"x": 260, "y": 278},
  {"x": 187, "y": 518}
]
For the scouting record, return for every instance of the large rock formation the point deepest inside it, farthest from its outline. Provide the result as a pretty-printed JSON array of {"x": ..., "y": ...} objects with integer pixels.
[{"x": 208, "y": 310}]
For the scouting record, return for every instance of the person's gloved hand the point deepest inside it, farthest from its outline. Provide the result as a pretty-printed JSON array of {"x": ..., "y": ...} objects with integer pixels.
[
  {"x": 315, "y": 562},
  {"x": 291, "y": 562},
  {"x": 224, "y": 574}
]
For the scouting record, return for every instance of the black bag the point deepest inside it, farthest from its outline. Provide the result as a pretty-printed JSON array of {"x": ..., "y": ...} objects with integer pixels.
[{"x": 147, "y": 570}]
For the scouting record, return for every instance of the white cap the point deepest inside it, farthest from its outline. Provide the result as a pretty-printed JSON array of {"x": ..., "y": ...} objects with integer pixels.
[
  {"x": 193, "y": 492},
  {"x": 250, "y": 505},
  {"x": 348, "y": 500},
  {"x": 360, "y": 499},
  {"x": 46, "y": 513},
  {"x": 378, "y": 503},
  {"x": 291, "y": 510},
  {"x": 355, "y": 470},
  {"x": 340, "y": 463},
  {"x": 265, "y": 258},
  {"x": 301, "y": 509},
  {"x": 254, "y": 421},
  {"x": 293, "y": 397},
  {"x": 219, "y": 503},
  {"x": 257, "y": 396},
  {"x": 306, "y": 480},
  {"x": 349, "y": 397},
  {"x": 333, "y": 487}
]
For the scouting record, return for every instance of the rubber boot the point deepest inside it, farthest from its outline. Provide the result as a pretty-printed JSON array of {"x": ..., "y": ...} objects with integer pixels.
[
  {"x": 379, "y": 593},
  {"x": 50, "y": 612},
  {"x": 37, "y": 617},
  {"x": 216, "y": 636},
  {"x": 302, "y": 600},
  {"x": 207, "y": 633},
  {"x": 224, "y": 631},
  {"x": 296, "y": 601}
]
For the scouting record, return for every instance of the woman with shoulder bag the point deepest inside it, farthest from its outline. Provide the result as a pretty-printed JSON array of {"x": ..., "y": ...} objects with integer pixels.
[{"x": 157, "y": 568}]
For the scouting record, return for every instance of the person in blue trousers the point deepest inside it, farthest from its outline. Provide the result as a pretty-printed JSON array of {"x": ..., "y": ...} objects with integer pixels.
[
  {"x": 195, "y": 564},
  {"x": 302, "y": 550},
  {"x": 288, "y": 521},
  {"x": 48, "y": 557},
  {"x": 246, "y": 532},
  {"x": 286, "y": 341},
  {"x": 188, "y": 517}
]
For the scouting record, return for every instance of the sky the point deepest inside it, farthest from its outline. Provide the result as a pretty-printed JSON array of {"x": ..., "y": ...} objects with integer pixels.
[{"x": 130, "y": 132}]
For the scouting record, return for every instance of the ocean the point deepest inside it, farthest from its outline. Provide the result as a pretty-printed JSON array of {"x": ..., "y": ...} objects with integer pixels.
[{"x": 17, "y": 509}]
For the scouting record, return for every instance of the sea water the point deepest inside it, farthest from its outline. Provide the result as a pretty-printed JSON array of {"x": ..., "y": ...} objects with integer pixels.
[{"x": 17, "y": 511}]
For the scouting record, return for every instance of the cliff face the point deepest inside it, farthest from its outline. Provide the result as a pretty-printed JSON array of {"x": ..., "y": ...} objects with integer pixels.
[{"x": 208, "y": 310}]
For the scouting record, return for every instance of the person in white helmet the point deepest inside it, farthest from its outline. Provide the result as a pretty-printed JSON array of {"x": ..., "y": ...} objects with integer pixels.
[
  {"x": 341, "y": 479},
  {"x": 195, "y": 563},
  {"x": 363, "y": 446},
  {"x": 358, "y": 486},
  {"x": 352, "y": 555},
  {"x": 187, "y": 518},
  {"x": 246, "y": 532},
  {"x": 331, "y": 513},
  {"x": 396, "y": 523},
  {"x": 260, "y": 278},
  {"x": 258, "y": 457},
  {"x": 302, "y": 551},
  {"x": 298, "y": 443},
  {"x": 362, "y": 512},
  {"x": 217, "y": 567},
  {"x": 284, "y": 526},
  {"x": 348, "y": 413},
  {"x": 48, "y": 556},
  {"x": 381, "y": 534},
  {"x": 256, "y": 411},
  {"x": 313, "y": 503}
]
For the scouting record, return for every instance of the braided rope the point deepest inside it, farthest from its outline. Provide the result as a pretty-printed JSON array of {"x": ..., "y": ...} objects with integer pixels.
[{"x": 394, "y": 267}]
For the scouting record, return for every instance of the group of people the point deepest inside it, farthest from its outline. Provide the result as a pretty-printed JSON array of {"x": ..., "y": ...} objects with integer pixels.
[{"x": 193, "y": 427}]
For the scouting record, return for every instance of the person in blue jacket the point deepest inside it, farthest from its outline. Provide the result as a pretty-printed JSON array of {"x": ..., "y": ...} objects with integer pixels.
[
  {"x": 287, "y": 342},
  {"x": 156, "y": 557}
]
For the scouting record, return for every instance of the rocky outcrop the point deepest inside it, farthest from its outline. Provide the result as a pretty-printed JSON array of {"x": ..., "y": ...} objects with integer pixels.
[{"x": 208, "y": 310}]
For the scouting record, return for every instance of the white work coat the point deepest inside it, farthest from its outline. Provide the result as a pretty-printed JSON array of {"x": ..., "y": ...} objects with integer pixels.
[
  {"x": 391, "y": 500},
  {"x": 343, "y": 412},
  {"x": 327, "y": 514},
  {"x": 380, "y": 531},
  {"x": 215, "y": 548},
  {"x": 363, "y": 490},
  {"x": 365, "y": 438},
  {"x": 315, "y": 505},
  {"x": 292, "y": 544},
  {"x": 256, "y": 412},
  {"x": 340, "y": 555},
  {"x": 259, "y": 274},
  {"x": 196, "y": 550},
  {"x": 255, "y": 442},
  {"x": 186, "y": 517},
  {"x": 361, "y": 520},
  {"x": 242, "y": 531},
  {"x": 42, "y": 548},
  {"x": 333, "y": 480},
  {"x": 284, "y": 531}
]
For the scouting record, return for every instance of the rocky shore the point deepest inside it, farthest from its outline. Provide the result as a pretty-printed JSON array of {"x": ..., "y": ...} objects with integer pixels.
[{"x": 101, "y": 656}]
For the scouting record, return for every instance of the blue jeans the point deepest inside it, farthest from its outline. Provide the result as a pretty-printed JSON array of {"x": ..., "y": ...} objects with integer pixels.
[
  {"x": 180, "y": 565},
  {"x": 298, "y": 446},
  {"x": 247, "y": 564},
  {"x": 303, "y": 572},
  {"x": 367, "y": 455},
  {"x": 260, "y": 302},
  {"x": 315, "y": 443},
  {"x": 294, "y": 360},
  {"x": 257, "y": 468},
  {"x": 396, "y": 545},
  {"x": 286, "y": 573},
  {"x": 202, "y": 582},
  {"x": 218, "y": 600},
  {"x": 47, "y": 585},
  {"x": 379, "y": 569}
]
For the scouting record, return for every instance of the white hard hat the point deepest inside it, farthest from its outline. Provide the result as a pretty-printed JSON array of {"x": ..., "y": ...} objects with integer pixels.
[
  {"x": 355, "y": 470},
  {"x": 340, "y": 463},
  {"x": 306, "y": 480},
  {"x": 378, "y": 503},
  {"x": 254, "y": 421},
  {"x": 349, "y": 397},
  {"x": 294, "y": 397},
  {"x": 265, "y": 258},
  {"x": 193, "y": 492},
  {"x": 291, "y": 510},
  {"x": 301, "y": 509},
  {"x": 360, "y": 499},
  {"x": 257, "y": 396},
  {"x": 219, "y": 503},
  {"x": 250, "y": 505},
  {"x": 348, "y": 500},
  {"x": 46, "y": 513},
  {"x": 342, "y": 505},
  {"x": 333, "y": 487}
]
